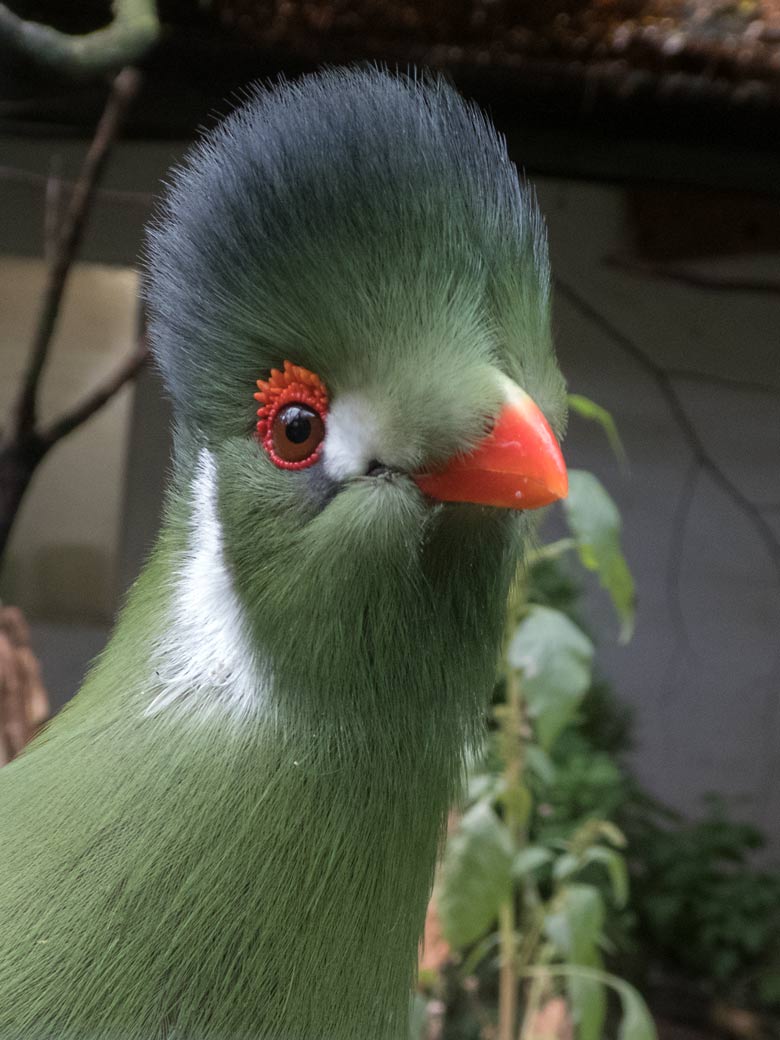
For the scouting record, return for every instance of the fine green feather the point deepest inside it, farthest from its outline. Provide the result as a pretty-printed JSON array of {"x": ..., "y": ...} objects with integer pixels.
[{"x": 231, "y": 831}]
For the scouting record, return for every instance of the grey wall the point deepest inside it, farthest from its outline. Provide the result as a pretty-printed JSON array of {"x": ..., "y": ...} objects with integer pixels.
[
  {"x": 703, "y": 670},
  {"x": 65, "y": 639}
]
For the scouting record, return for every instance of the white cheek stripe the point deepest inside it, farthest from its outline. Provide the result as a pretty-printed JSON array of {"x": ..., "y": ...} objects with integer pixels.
[
  {"x": 353, "y": 439},
  {"x": 205, "y": 661}
]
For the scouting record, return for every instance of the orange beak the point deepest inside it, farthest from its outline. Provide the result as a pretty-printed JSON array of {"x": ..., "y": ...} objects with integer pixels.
[{"x": 517, "y": 466}]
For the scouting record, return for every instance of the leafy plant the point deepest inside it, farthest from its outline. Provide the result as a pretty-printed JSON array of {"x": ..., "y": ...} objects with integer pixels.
[
  {"x": 526, "y": 899},
  {"x": 696, "y": 879},
  {"x": 534, "y": 893}
]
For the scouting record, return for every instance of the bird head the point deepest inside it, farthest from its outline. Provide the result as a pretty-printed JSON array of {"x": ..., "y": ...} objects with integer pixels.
[{"x": 349, "y": 301}]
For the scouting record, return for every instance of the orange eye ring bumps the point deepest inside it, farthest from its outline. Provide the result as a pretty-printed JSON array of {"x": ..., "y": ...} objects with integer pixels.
[{"x": 291, "y": 417}]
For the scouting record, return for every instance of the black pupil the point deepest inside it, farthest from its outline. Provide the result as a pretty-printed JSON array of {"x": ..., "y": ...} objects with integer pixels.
[{"x": 297, "y": 424}]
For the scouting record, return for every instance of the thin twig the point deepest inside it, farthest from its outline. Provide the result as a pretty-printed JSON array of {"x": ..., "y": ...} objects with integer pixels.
[
  {"x": 551, "y": 551},
  {"x": 512, "y": 720},
  {"x": 535, "y": 994},
  {"x": 51, "y": 211},
  {"x": 695, "y": 376},
  {"x": 123, "y": 90},
  {"x": 135, "y": 29},
  {"x": 677, "y": 554},
  {"x": 95, "y": 400},
  {"x": 16, "y": 175},
  {"x": 682, "y": 645},
  {"x": 507, "y": 980},
  {"x": 684, "y": 276}
]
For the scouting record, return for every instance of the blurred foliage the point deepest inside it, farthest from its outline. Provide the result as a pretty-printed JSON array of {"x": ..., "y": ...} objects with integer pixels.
[
  {"x": 697, "y": 880},
  {"x": 693, "y": 879},
  {"x": 525, "y": 894},
  {"x": 561, "y": 862}
]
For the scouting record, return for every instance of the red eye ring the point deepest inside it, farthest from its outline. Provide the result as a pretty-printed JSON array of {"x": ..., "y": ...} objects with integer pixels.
[{"x": 292, "y": 386}]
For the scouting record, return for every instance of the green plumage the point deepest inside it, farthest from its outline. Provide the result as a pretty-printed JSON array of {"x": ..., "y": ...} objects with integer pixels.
[{"x": 180, "y": 862}]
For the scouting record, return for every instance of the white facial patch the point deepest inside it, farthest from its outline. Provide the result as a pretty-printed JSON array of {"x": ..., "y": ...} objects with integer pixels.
[
  {"x": 354, "y": 438},
  {"x": 206, "y": 661},
  {"x": 512, "y": 393}
]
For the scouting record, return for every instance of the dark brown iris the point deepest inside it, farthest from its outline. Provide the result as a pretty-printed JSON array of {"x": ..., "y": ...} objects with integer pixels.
[{"x": 297, "y": 432}]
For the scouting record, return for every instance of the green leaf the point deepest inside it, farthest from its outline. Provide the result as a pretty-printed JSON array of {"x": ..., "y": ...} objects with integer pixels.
[
  {"x": 589, "y": 1006},
  {"x": 565, "y": 866},
  {"x": 476, "y": 875},
  {"x": 612, "y": 834},
  {"x": 530, "y": 859},
  {"x": 540, "y": 763},
  {"x": 583, "y": 908},
  {"x": 418, "y": 1017},
  {"x": 616, "y": 869},
  {"x": 517, "y": 800},
  {"x": 478, "y": 952},
  {"x": 555, "y": 657},
  {"x": 636, "y": 1023},
  {"x": 570, "y": 864},
  {"x": 595, "y": 523},
  {"x": 769, "y": 985},
  {"x": 590, "y": 410},
  {"x": 575, "y": 928},
  {"x": 479, "y": 786},
  {"x": 574, "y": 924}
]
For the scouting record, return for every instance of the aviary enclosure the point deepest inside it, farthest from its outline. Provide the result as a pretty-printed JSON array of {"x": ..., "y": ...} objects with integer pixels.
[{"x": 358, "y": 697}]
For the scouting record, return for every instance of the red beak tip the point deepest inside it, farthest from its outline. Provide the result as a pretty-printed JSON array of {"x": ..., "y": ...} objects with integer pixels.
[{"x": 518, "y": 465}]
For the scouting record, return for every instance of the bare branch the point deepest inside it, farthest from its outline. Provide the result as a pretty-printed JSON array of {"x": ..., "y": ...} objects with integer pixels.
[
  {"x": 684, "y": 276},
  {"x": 16, "y": 175},
  {"x": 123, "y": 90},
  {"x": 682, "y": 646},
  {"x": 132, "y": 33},
  {"x": 51, "y": 211},
  {"x": 95, "y": 400},
  {"x": 676, "y": 552}
]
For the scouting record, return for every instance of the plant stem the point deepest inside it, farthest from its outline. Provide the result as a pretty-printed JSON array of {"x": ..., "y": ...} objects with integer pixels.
[
  {"x": 535, "y": 994},
  {"x": 531, "y": 938},
  {"x": 512, "y": 721},
  {"x": 507, "y": 981},
  {"x": 552, "y": 551},
  {"x": 514, "y": 753}
]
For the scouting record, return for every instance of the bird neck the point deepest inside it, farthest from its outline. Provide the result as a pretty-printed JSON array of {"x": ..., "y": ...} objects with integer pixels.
[{"x": 284, "y": 810}]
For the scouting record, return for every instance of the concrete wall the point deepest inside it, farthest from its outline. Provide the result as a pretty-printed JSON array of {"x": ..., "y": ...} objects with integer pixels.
[
  {"x": 62, "y": 558},
  {"x": 80, "y": 534},
  {"x": 703, "y": 671}
]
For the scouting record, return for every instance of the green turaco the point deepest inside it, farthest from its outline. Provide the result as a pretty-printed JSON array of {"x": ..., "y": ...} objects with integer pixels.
[{"x": 231, "y": 832}]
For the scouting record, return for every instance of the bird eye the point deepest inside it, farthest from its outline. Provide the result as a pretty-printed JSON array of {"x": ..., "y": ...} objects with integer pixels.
[
  {"x": 291, "y": 416},
  {"x": 296, "y": 432}
]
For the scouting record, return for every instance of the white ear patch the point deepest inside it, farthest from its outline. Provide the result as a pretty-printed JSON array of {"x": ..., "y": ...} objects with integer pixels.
[
  {"x": 353, "y": 438},
  {"x": 206, "y": 661}
]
